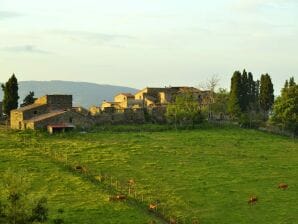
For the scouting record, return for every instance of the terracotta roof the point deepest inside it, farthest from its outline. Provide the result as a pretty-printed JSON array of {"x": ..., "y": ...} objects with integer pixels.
[
  {"x": 46, "y": 116},
  {"x": 29, "y": 107}
]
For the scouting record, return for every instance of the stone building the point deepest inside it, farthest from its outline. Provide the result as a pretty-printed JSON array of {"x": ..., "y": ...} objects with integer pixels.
[
  {"x": 53, "y": 110},
  {"x": 94, "y": 110},
  {"x": 155, "y": 97},
  {"x": 121, "y": 102}
]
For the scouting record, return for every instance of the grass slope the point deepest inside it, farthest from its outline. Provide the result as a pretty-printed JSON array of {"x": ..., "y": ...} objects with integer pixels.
[{"x": 207, "y": 174}]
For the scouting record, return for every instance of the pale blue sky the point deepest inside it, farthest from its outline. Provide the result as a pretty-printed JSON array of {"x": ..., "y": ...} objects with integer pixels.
[{"x": 141, "y": 43}]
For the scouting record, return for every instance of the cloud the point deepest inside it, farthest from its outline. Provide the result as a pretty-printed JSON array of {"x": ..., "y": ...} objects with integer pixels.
[
  {"x": 8, "y": 14},
  {"x": 25, "y": 49},
  {"x": 91, "y": 36},
  {"x": 253, "y": 5}
]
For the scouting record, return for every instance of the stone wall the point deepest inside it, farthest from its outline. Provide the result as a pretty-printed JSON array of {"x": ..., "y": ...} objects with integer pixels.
[
  {"x": 69, "y": 117},
  {"x": 35, "y": 111},
  {"x": 17, "y": 117},
  {"x": 128, "y": 116},
  {"x": 157, "y": 114},
  {"x": 59, "y": 102},
  {"x": 56, "y": 102}
]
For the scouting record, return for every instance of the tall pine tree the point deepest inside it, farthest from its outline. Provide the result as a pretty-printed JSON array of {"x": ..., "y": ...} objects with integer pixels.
[
  {"x": 235, "y": 94},
  {"x": 266, "y": 94},
  {"x": 244, "y": 89},
  {"x": 11, "y": 97}
]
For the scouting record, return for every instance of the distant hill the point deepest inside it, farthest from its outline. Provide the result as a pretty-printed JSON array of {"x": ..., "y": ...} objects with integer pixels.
[{"x": 84, "y": 94}]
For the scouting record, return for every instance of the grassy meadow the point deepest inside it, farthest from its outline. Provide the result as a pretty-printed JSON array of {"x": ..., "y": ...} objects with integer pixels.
[{"x": 205, "y": 175}]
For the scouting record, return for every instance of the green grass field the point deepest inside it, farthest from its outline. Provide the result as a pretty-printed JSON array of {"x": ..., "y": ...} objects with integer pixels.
[{"x": 207, "y": 174}]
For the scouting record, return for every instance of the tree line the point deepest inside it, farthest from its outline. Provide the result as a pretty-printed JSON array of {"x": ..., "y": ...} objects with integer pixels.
[
  {"x": 249, "y": 96},
  {"x": 250, "y": 102}
]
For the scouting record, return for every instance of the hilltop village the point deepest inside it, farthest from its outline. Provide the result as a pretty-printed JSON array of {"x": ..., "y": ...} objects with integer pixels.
[{"x": 57, "y": 113}]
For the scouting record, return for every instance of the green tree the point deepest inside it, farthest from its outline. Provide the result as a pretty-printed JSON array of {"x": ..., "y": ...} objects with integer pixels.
[
  {"x": 266, "y": 94},
  {"x": 235, "y": 95},
  {"x": 185, "y": 110},
  {"x": 221, "y": 101},
  {"x": 40, "y": 211},
  {"x": 17, "y": 209},
  {"x": 29, "y": 99},
  {"x": 11, "y": 97},
  {"x": 244, "y": 92},
  {"x": 285, "y": 108}
]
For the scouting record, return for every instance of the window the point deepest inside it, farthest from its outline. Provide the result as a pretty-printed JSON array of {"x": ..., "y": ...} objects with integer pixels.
[
  {"x": 70, "y": 120},
  {"x": 35, "y": 112}
]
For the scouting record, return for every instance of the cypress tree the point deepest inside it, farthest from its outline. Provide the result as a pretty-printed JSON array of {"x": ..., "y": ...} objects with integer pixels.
[
  {"x": 266, "y": 94},
  {"x": 257, "y": 95},
  {"x": 244, "y": 97},
  {"x": 11, "y": 97},
  {"x": 235, "y": 94}
]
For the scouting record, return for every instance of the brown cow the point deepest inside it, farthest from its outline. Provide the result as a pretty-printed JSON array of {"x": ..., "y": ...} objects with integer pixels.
[
  {"x": 283, "y": 186},
  {"x": 131, "y": 182},
  {"x": 152, "y": 207},
  {"x": 172, "y": 221},
  {"x": 81, "y": 168},
  {"x": 252, "y": 200}
]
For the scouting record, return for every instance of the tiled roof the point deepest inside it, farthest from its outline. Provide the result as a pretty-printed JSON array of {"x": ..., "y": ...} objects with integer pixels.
[
  {"x": 29, "y": 107},
  {"x": 46, "y": 116}
]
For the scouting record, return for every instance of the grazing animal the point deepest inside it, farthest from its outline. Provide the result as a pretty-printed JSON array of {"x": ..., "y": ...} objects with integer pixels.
[
  {"x": 283, "y": 186},
  {"x": 252, "y": 200},
  {"x": 131, "y": 182},
  {"x": 152, "y": 207},
  {"x": 81, "y": 168},
  {"x": 172, "y": 221}
]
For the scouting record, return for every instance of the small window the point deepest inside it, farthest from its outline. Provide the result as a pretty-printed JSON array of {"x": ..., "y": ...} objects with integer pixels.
[
  {"x": 35, "y": 112},
  {"x": 70, "y": 120}
]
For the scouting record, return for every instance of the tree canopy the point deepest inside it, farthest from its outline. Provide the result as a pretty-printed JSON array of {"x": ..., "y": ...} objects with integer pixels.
[
  {"x": 11, "y": 97},
  {"x": 285, "y": 109},
  {"x": 29, "y": 99},
  {"x": 185, "y": 110},
  {"x": 266, "y": 93}
]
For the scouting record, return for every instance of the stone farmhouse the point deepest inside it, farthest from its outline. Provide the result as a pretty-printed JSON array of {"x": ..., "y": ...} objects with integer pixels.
[
  {"x": 122, "y": 101},
  {"x": 54, "y": 112},
  {"x": 150, "y": 98},
  {"x": 154, "y": 97}
]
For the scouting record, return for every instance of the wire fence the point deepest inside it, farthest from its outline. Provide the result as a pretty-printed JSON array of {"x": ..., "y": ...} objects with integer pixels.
[{"x": 119, "y": 190}]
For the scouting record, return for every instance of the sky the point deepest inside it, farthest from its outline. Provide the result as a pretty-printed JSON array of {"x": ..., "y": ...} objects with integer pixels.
[{"x": 140, "y": 43}]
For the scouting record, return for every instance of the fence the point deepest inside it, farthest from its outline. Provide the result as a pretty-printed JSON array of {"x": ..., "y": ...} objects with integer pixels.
[{"x": 118, "y": 189}]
